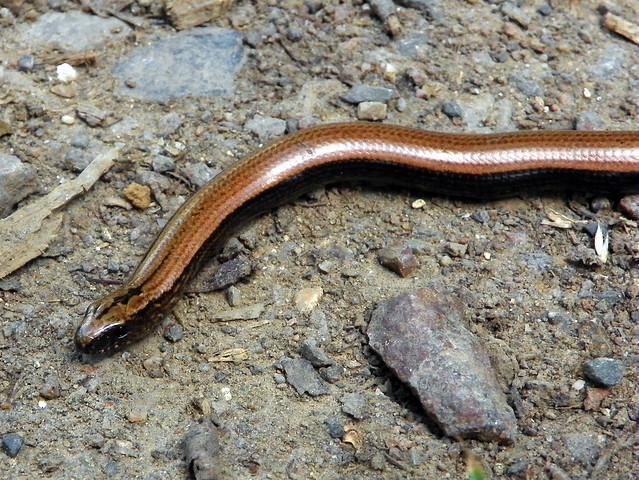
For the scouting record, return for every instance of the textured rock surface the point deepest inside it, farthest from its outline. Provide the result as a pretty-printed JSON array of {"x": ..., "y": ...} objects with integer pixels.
[{"x": 422, "y": 338}]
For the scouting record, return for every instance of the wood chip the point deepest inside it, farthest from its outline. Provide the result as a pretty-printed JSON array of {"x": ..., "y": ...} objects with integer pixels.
[
  {"x": 26, "y": 233},
  {"x": 622, "y": 27},
  {"x": 185, "y": 14}
]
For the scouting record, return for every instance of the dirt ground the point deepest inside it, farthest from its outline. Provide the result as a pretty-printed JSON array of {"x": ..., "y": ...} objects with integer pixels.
[{"x": 532, "y": 297}]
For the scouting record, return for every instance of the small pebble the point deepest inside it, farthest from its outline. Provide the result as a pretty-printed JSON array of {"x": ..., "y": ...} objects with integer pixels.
[
  {"x": 400, "y": 259},
  {"x": 333, "y": 373},
  {"x": 301, "y": 375},
  {"x": 249, "y": 312},
  {"x": 175, "y": 333},
  {"x": 335, "y": 427},
  {"x": 138, "y": 414},
  {"x": 597, "y": 204},
  {"x": 26, "y": 63},
  {"x": 138, "y": 195},
  {"x": 372, "y": 111},
  {"x": 354, "y": 404},
  {"x": 66, "y": 73},
  {"x": 311, "y": 352},
  {"x": 481, "y": 216},
  {"x": 162, "y": 164},
  {"x": 199, "y": 174},
  {"x": 233, "y": 296},
  {"x": 456, "y": 249},
  {"x": 231, "y": 272},
  {"x": 11, "y": 444},
  {"x": 606, "y": 372},
  {"x": 452, "y": 109},
  {"x": 367, "y": 93},
  {"x": 630, "y": 206},
  {"x": 266, "y": 128},
  {"x": 51, "y": 388},
  {"x": 308, "y": 298}
]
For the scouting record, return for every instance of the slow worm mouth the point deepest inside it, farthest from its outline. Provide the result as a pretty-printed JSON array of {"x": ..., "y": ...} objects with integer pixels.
[{"x": 472, "y": 166}]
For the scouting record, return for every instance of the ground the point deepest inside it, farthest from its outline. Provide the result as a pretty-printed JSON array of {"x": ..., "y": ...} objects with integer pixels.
[{"x": 539, "y": 308}]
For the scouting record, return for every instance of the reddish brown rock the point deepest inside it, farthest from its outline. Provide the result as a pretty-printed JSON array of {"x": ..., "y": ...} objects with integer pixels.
[{"x": 421, "y": 336}]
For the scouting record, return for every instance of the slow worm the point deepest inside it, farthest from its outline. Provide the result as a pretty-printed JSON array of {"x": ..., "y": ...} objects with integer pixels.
[{"x": 460, "y": 165}]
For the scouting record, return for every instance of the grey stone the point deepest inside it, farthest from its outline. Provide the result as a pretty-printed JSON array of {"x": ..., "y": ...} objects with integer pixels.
[
  {"x": 335, "y": 427},
  {"x": 162, "y": 164},
  {"x": 421, "y": 336},
  {"x": 12, "y": 444},
  {"x": 231, "y": 272},
  {"x": 528, "y": 87},
  {"x": 199, "y": 174},
  {"x": 452, "y": 109},
  {"x": 200, "y": 62},
  {"x": 301, "y": 375},
  {"x": 75, "y": 31},
  {"x": 355, "y": 405},
  {"x": 583, "y": 448},
  {"x": 606, "y": 372},
  {"x": 266, "y": 128},
  {"x": 16, "y": 182},
  {"x": 318, "y": 357},
  {"x": 368, "y": 93}
]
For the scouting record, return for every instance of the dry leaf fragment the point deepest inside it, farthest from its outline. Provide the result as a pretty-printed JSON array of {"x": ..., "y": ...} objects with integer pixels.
[
  {"x": 601, "y": 244},
  {"x": 231, "y": 355},
  {"x": 352, "y": 436},
  {"x": 557, "y": 220}
]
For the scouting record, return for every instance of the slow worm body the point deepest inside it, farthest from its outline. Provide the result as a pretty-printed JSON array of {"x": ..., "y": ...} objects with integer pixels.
[{"x": 459, "y": 165}]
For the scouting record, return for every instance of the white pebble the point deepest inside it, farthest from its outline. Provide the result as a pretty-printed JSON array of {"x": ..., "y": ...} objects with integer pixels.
[
  {"x": 68, "y": 119},
  {"x": 66, "y": 73}
]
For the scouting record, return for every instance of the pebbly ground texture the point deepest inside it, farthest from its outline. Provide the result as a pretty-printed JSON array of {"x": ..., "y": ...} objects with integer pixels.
[{"x": 535, "y": 295}]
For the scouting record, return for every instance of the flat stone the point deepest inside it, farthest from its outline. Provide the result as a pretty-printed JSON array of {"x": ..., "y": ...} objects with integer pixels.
[
  {"x": 301, "y": 375},
  {"x": 314, "y": 354},
  {"x": 266, "y": 128},
  {"x": 368, "y": 93},
  {"x": 421, "y": 336},
  {"x": 75, "y": 31},
  {"x": 231, "y": 272},
  {"x": 606, "y": 372},
  {"x": 199, "y": 63}
]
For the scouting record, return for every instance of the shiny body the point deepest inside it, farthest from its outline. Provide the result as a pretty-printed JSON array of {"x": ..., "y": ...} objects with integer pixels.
[{"x": 458, "y": 165}]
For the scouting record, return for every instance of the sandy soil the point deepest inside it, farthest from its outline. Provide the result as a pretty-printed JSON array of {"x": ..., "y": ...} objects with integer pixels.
[{"x": 530, "y": 298}]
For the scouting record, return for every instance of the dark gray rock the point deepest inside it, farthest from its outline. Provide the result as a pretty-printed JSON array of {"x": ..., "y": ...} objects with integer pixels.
[
  {"x": 200, "y": 62},
  {"x": 606, "y": 372},
  {"x": 231, "y": 272},
  {"x": 314, "y": 354},
  {"x": 368, "y": 93},
  {"x": 174, "y": 333},
  {"x": 301, "y": 375},
  {"x": 452, "y": 109},
  {"x": 528, "y": 87},
  {"x": 421, "y": 336},
  {"x": 11, "y": 444},
  {"x": 335, "y": 427}
]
